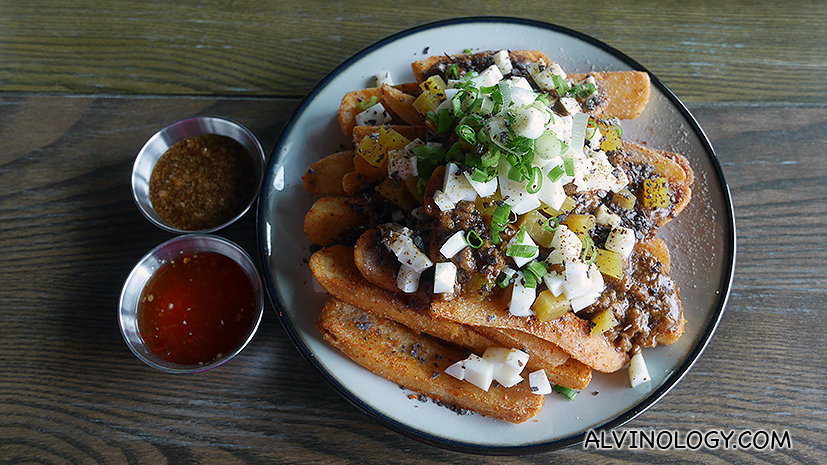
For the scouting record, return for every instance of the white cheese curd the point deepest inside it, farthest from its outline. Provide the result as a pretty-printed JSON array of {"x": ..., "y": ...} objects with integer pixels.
[
  {"x": 514, "y": 193},
  {"x": 400, "y": 242},
  {"x": 638, "y": 373},
  {"x": 407, "y": 279},
  {"x": 485, "y": 188},
  {"x": 570, "y": 105},
  {"x": 566, "y": 244},
  {"x": 383, "y": 78},
  {"x": 488, "y": 77},
  {"x": 453, "y": 245},
  {"x": 508, "y": 364},
  {"x": 561, "y": 125},
  {"x": 443, "y": 201},
  {"x": 621, "y": 240},
  {"x": 604, "y": 217},
  {"x": 542, "y": 74},
  {"x": 538, "y": 381},
  {"x": 401, "y": 164},
  {"x": 521, "y": 298},
  {"x": 373, "y": 116},
  {"x": 526, "y": 240},
  {"x": 457, "y": 370},
  {"x": 577, "y": 280},
  {"x": 503, "y": 62},
  {"x": 479, "y": 372},
  {"x": 456, "y": 185},
  {"x": 445, "y": 276},
  {"x": 592, "y": 293},
  {"x": 552, "y": 193}
]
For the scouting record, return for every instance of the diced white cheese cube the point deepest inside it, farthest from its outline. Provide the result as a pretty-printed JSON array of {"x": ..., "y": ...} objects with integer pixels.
[
  {"x": 484, "y": 189},
  {"x": 526, "y": 240},
  {"x": 552, "y": 193},
  {"x": 554, "y": 282},
  {"x": 521, "y": 298},
  {"x": 638, "y": 373},
  {"x": 530, "y": 123},
  {"x": 407, "y": 279},
  {"x": 373, "y": 116},
  {"x": 445, "y": 276},
  {"x": 453, "y": 245},
  {"x": 514, "y": 193},
  {"x": 621, "y": 240},
  {"x": 561, "y": 125},
  {"x": 523, "y": 96},
  {"x": 488, "y": 77},
  {"x": 401, "y": 164},
  {"x": 543, "y": 73},
  {"x": 383, "y": 78},
  {"x": 508, "y": 382},
  {"x": 401, "y": 244},
  {"x": 457, "y": 370},
  {"x": 479, "y": 372},
  {"x": 503, "y": 62},
  {"x": 566, "y": 244},
  {"x": 578, "y": 280},
  {"x": 443, "y": 201},
  {"x": 604, "y": 217},
  {"x": 520, "y": 82},
  {"x": 538, "y": 381},
  {"x": 571, "y": 105},
  {"x": 456, "y": 185},
  {"x": 593, "y": 293}
]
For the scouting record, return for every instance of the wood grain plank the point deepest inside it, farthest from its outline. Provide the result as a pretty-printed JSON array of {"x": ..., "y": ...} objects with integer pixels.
[{"x": 705, "y": 51}]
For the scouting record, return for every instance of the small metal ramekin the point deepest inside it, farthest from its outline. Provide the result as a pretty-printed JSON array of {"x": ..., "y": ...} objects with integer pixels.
[
  {"x": 158, "y": 144},
  {"x": 146, "y": 268}
]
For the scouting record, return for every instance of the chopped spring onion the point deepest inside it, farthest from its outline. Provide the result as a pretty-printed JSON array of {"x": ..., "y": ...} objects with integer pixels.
[
  {"x": 467, "y": 134},
  {"x": 560, "y": 85},
  {"x": 556, "y": 173},
  {"x": 568, "y": 165},
  {"x": 535, "y": 183},
  {"x": 502, "y": 214},
  {"x": 568, "y": 392},
  {"x": 522, "y": 251},
  {"x": 365, "y": 104},
  {"x": 589, "y": 253},
  {"x": 536, "y": 268},
  {"x": 473, "y": 239}
]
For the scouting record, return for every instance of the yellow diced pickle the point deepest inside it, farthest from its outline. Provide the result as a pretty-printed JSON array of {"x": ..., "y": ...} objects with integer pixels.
[
  {"x": 609, "y": 263},
  {"x": 580, "y": 223},
  {"x": 427, "y": 101},
  {"x": 435, "y": 85},
  {"x": 535, "y": 225},
  {"x": 655, "y": 193},
  {"x": 396, "y": 192},
  {"x": 547, "y": 307},
  {"x": 603, "y": 322},
  {"x": 374, "y": 148},
  {"x": 624, "y": 199}
]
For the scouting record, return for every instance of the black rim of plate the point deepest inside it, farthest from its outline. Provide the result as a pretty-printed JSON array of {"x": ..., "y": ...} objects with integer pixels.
[{"x": 423, "y": 436}]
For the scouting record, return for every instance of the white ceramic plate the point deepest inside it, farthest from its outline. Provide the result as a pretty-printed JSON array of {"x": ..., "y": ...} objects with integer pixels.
[{"x": 702, "y": 241}]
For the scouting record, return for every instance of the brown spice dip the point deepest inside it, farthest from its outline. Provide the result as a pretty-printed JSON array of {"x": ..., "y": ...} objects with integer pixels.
[{"x": 202, "y": 182}]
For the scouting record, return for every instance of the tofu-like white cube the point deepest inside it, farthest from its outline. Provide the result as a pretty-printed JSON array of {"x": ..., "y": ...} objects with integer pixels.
[
  {"x": 604, "y": 217},
  {"x": 456, "y": 185},
  {"x": 485, "y": 188},
  {"x": 638, "y": 373},
  {"x": 453, "y": 245},
  {"x": 488, "y": 77},
  {"x": 578, "y": 280},
  {"x": 407, "y": 279},
  {"x": 443, "y": 201},
  {"x": 445, "y": 276},
  {"x": 503, "y": 62},
  {"x": 508, "y": 364},
  {"x": 521, "y": 298},
  {"x": 373, "y": 116},
  {"x": 401, "y": 244},
  {"x": 567, "y": 246},
  {"x": 554, "y": 282},
  {"x": 621, "y": 240},
  {"x": 538, "y": 381},
  {"x": 383, "y": 78},
  {"x": 530, "y": 123},
  {"x": 457, "y": 370},
  {"x": 526, "y": 240},
  {"x": 479, "y": 372}
]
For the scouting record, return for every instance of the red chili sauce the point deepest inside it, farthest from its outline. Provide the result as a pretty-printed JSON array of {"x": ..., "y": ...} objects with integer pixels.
[{"x": 197, "y": 308}]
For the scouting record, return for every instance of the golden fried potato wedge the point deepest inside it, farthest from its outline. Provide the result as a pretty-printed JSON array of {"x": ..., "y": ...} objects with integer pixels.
[
  {"x": 559, "y": 366},
  {"x": 324, "y": 177},
  {"x": 674, "y": 166},
  {"x": 437, "y": 64},
  {"x": 335, "y": 270},
  {"x": 569, "y": 332},
  {"x": 402, "y": 104},
  {"x": 331, "y": 218},
  {"x": 625, "y": 93},
  {"x": 418, "y": 362}
]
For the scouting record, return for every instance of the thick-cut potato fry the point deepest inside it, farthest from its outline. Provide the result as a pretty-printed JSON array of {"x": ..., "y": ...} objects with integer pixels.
[
  {"x": 559, "y": 366},
  {"x": 418, "y": 362},
  {"x": 402, "y": 104},
  {"x": 331, "y": 218},
  {"x": 409, "y": 132},
  {"x": 626, "y": 92},
  {"x": 369, "y": 172},
  {"x": 569, "y": 332},
  {"x": 423, "y": 69},
  {"x": 325, "y": 176},
  {"x": 336, "y": 271},
  {"x": 349, "y": 107},
  {"x": 674, "y": 166}
]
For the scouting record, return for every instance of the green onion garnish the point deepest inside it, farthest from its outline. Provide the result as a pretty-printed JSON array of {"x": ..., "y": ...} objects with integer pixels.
[
  {"x": 547, "y": 224},
  {"x": 560, "y": 85},
  {"x": 589, "y": 254},
  {"x": 536, "y": 181},
  {"x": 522, "y": 251},
  {"x": 538, "y": 269},
  {"x": 503, "y": 280},
  {"x": 501, "y": 214},
  {"x": 530, "y": 280},
  {"x": 568, "y": 392},
  {"x": 467, "y": 134},
  {"x": 452, "y": 71},
  {"x": 473, "y": 239},
  {"x": 365, "y": 104},
  {"x": 568, "y": 164},
  {"x": 556, "y": 173}
]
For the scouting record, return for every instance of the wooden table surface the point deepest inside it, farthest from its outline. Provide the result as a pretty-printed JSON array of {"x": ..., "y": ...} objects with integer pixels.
[{"x": 84, "y": 83}]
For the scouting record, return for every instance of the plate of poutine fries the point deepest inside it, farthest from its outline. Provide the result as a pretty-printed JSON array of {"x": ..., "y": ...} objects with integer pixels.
[{"x": 417, "y": 222}]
